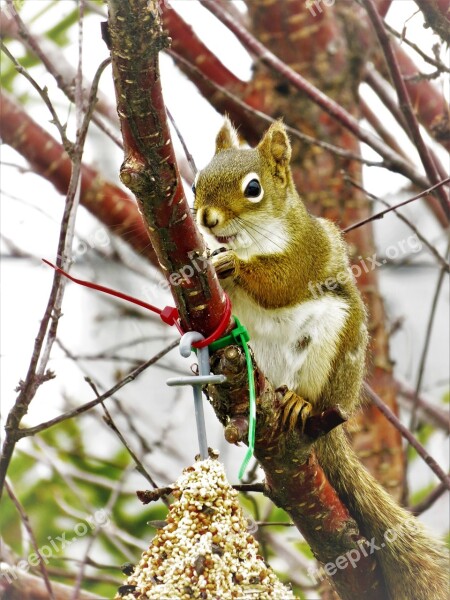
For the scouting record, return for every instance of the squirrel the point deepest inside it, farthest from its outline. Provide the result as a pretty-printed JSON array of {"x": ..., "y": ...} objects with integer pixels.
[{"x": 287, "y": 275}]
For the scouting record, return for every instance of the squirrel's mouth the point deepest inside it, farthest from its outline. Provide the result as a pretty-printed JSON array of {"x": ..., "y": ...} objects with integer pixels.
[{"x": 222, "y": 239}]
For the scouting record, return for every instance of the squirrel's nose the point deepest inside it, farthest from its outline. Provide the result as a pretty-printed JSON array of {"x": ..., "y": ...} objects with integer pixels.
[{"x": 209, "y": 218}]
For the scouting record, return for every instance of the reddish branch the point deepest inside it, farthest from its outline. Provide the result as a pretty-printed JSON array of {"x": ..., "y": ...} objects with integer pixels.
[
  {"x": 149, "y": 169},
  {"x": 47, "y": 157}
]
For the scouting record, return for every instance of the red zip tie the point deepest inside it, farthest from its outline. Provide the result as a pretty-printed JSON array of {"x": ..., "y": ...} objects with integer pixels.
[
  {"x": 168, "y": 314},
  {"x": 220, "y": 329}
]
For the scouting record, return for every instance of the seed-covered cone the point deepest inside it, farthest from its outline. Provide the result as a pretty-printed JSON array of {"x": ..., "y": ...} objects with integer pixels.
[{"x": 205, "y": 550}]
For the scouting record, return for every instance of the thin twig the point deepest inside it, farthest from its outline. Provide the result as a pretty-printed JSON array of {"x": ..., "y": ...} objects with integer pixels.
[
  {"x": 139, "y": 466},
  {"x": 26, "y": 522},
  {"x": 432, "y": 61},
  {"x": 21, "y": 168},
  {"x": 189, "y": 156},
  {"x": 444, "y": 264},
  {"x": 110, "y": 422},
  {"x": 124, "y": 413},
  {"x": 37, "y": 374},
  {"x": 108, "y": 509},
  {"x": 274, "y": 524},
  {"x": 56, "y": 64},
  {"x": 380, "y": 87},
  {"x": 406, "y": 433},
  {"x": 65, "y": 249},
  {"x": 428, "y": 502},
  {"x": 426, "y": 345},
  {"x": 433, "y": 414},
  {"x": 249, "y": 487},
  {"x": 69, "y": 474},
  {"x": 134, "y": 342},
  {"x": 88, "y": 405},
  {"x": 384, "y": 131},
  {"x": 43, "y": 93},
  {"x": 381, "y": 214}
]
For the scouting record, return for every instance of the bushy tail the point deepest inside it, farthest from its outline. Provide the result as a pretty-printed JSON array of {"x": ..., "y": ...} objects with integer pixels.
[{"x": 415, "y": 566}]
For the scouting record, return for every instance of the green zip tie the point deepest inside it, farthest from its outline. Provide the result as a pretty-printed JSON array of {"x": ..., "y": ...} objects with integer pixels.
[{"x": 240, "y": 336}]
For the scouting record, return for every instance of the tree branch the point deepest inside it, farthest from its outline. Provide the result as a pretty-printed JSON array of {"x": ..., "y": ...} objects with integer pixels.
[
  {"x": 149, "y": 169},
  {"x": 428, "y": 502},
  {"x": 433, "y": 414},
  {"x": 444, "y": 264},
  {"x": 56, "y": 64}
]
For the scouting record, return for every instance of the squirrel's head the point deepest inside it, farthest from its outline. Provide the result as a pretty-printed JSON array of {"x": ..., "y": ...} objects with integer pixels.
[{"x": 242, "y": 195}]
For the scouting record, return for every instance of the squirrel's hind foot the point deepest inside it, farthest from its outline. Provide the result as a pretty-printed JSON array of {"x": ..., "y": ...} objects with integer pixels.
[{"x": 294, "y": 407}]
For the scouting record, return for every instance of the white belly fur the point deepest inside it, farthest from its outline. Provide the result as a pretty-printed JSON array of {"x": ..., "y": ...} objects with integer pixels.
[{"x": 274, "y": 337}]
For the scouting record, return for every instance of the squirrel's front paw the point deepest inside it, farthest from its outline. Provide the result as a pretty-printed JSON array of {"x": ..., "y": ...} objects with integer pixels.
[
  {"x": 294, "y": 407},
  {"x": 226, "y": 264}
]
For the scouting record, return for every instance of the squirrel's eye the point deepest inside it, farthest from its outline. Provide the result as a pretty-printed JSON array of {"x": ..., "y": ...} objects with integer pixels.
[
  {"x": 253, "y": 189},
  {"x": 193, "y": 188}
]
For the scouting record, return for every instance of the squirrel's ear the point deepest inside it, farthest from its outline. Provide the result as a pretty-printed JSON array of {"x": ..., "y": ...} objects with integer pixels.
[
  {"x": 276, "y": 148},
  {"x": 227, "y": 137}
]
